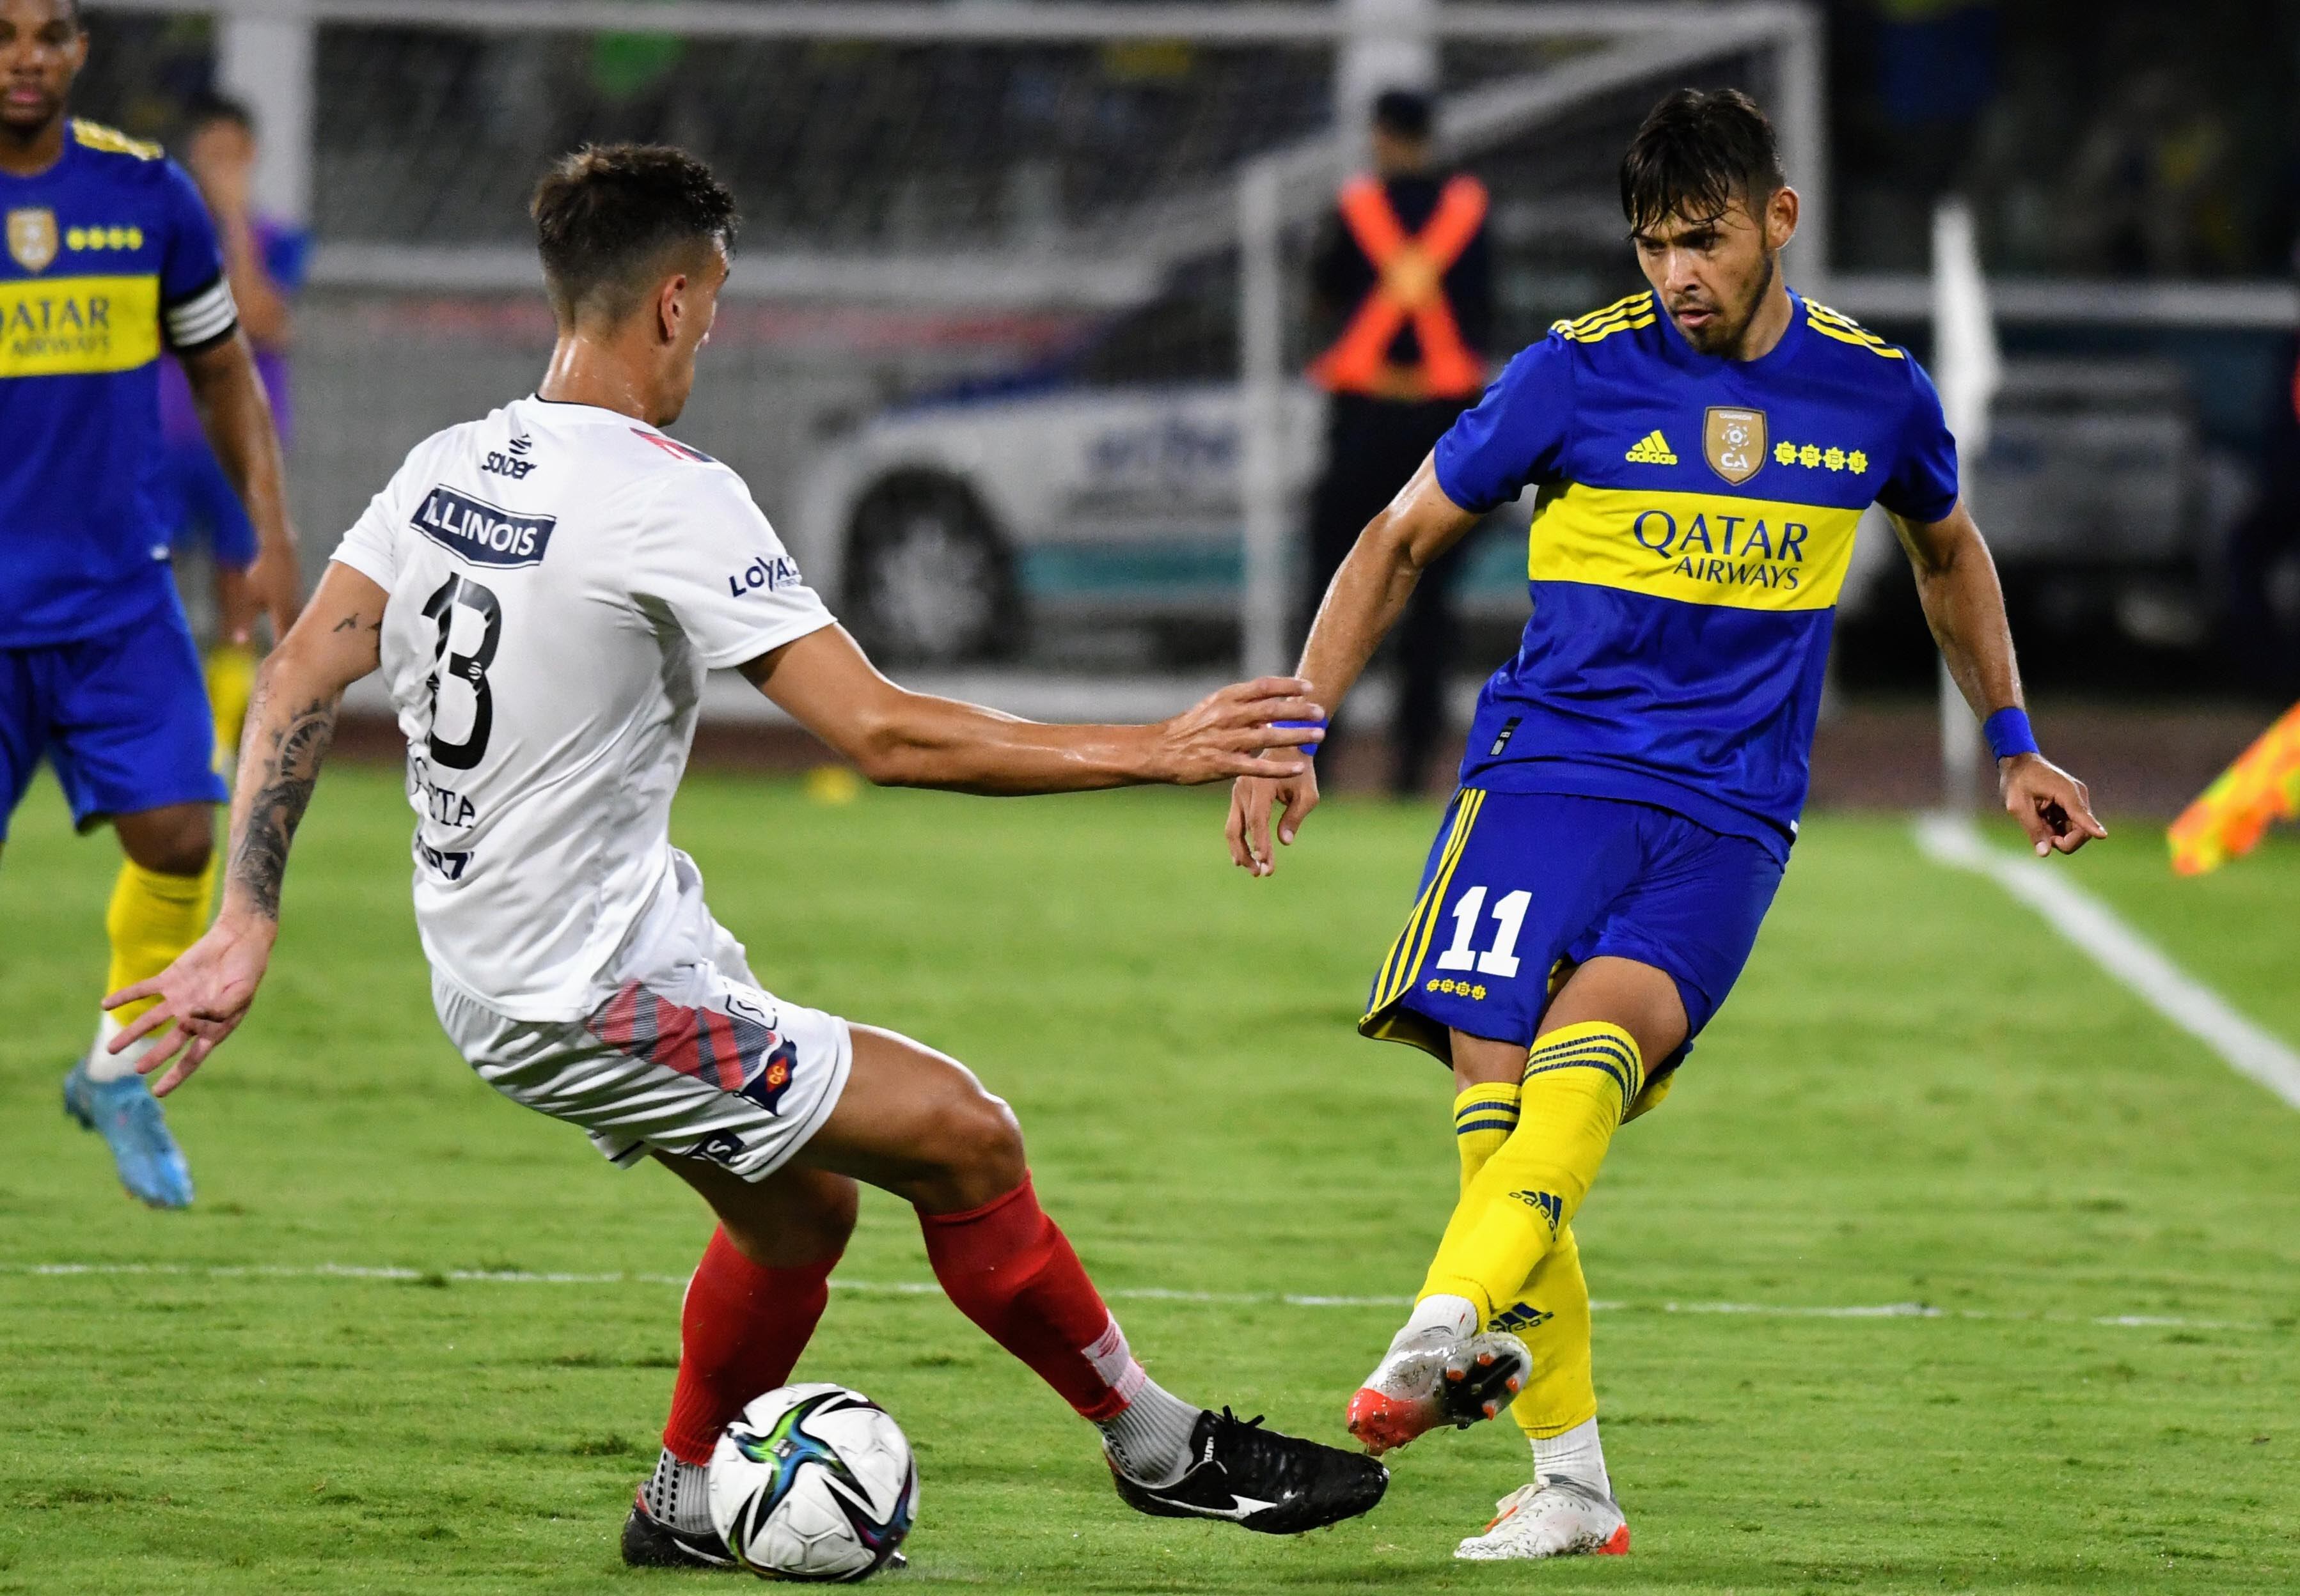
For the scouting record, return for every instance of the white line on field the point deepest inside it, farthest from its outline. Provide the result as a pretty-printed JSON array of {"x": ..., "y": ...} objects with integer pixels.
[
  {"x": 927, "y": 1288},
  {"x": 2129, "y": 958}
]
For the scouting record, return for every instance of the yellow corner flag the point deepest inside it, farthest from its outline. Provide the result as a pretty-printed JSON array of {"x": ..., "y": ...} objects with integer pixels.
[{"x": 2227, "y": 822}]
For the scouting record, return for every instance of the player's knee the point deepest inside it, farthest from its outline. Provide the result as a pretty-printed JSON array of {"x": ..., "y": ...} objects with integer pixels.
[
  {"x": 806, "y": 1217},
  {"x": 828, "y": 1219},
  {"x": 181, "y": 846},
  {"x": 978, "y": 1145}
]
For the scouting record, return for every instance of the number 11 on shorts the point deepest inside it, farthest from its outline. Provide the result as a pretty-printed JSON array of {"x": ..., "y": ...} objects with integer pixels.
[{"x": 1509, "y": 917}]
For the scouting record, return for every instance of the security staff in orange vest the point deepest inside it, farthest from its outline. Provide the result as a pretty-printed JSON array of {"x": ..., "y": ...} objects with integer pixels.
[{"x": 1404, "y": 277}]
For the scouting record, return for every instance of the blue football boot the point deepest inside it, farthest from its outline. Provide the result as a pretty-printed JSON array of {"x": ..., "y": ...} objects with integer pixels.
[{"x": 151, "y": 1165}]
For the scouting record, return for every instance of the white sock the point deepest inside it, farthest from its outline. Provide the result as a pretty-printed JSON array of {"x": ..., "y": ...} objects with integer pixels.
[
  {"x": 678, "y": 1495},
  {"x": 1149, "y": 1439},
  {"x": 1438, "y": 1318},
  {"x": 1576, "y": 1455},
  {"x": 102, "y": 1066}
]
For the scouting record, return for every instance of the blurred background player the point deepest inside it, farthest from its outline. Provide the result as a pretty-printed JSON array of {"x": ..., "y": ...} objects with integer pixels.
[
  {"x": 264, "y": 259},
  {"x": 1635, "y": 773},
  {"x": 1403, "y": 274},
  {"x": 111, "y": 258}
]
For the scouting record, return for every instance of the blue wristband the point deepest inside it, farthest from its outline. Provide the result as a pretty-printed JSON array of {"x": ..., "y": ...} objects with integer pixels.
[
  {"x": 1308, "y": 751},
  {"x": 2008, "y": 734}
]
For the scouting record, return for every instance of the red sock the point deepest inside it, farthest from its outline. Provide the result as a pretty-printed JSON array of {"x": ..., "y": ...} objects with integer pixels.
[
  {"x": 741, "y": 1332},
  {"x": 1010, "y": 1269}
]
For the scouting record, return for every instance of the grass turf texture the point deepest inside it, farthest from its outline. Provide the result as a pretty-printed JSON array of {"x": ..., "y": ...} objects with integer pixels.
[{"x": 1918, "y": 1095}]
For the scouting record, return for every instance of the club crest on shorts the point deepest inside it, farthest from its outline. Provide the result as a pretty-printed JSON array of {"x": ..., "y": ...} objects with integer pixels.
[
  {"x": 1734, "y": 441},
  {"x": 32, "y": 237},
  {"x": 766, "y": 1085}
]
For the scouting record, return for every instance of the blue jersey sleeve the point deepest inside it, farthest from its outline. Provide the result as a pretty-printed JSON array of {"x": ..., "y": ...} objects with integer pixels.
[
  {"x": 1515, "y": 435},
  {"x": 1923, "y": 484},
  {"x": 193, "y": 260}
]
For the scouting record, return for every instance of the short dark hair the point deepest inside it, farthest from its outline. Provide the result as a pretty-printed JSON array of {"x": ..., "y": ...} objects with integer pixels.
[
  {"x": 606, "y": 216},
  {"x": 212, "y": 107},
  {"x": 1697, "y": 152},
  {"x": 1403, "y": 114}
]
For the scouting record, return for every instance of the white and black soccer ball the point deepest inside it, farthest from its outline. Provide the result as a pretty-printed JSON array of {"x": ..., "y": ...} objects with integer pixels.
[{"x": 814, "y": 1483}]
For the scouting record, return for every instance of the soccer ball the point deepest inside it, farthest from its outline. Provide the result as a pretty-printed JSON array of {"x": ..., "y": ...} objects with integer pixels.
[{"x": 814, "y": 1483}]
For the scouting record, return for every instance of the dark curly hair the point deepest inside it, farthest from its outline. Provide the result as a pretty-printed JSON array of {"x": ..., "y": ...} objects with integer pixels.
[
  {"x": 1697, "y": 152},
  {"x": 607, "y": 217}
]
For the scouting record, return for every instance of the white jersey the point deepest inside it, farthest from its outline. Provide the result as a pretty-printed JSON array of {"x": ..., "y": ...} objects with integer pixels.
[{"x": 560, "y": 577}]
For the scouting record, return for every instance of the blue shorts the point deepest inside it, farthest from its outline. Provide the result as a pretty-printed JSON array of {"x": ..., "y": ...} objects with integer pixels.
[
  {"x": 1518, "y": 882},
  {"x": 204, "y": 503},
  {"x": 123, "y": 718}
]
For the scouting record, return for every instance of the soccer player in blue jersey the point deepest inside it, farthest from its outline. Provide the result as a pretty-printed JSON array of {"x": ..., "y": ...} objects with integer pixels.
[
  {"x": 110, "y": 259},
  {"x": 1702, "y": 453}
]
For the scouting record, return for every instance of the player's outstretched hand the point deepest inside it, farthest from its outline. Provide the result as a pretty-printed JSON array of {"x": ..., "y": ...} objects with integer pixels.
[
  {"x": 2053, "y": 806},
  {"x": 1235, "y": 732},
  {"x": 203, "y": 997},
  {"x": 1251, "y": 800}
]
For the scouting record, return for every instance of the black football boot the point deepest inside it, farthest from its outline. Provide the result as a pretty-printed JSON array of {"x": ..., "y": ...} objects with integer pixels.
[{"x": 1260, "y": 1479}]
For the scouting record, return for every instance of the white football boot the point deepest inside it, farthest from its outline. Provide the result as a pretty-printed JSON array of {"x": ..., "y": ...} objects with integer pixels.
[
  {"x": 1551, "y": 1518},
  {"x": 1435, "y": 1378}
]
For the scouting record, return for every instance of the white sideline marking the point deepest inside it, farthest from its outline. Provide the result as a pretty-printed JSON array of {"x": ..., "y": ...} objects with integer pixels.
[
  {"x": 1148, "y": 1293},
  {"x": 2129, "y": 959}
]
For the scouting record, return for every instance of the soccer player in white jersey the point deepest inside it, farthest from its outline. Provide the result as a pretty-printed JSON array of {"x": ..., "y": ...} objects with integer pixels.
[{"x": 544, "y": 590}]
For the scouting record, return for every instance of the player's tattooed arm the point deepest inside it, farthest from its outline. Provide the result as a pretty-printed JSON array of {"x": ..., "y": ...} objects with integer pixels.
[
  {"x": 290, "y": 723},
  {"x": 201, "y": 998},
  {"x": 290, "y": 770}
]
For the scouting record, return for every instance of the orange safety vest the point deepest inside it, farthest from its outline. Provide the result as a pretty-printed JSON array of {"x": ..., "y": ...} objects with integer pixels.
[{"x": 1412, "y": 288}]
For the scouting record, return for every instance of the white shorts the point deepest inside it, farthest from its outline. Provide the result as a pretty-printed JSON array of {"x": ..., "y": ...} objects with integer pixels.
[{"x": 700, "y": 1062}]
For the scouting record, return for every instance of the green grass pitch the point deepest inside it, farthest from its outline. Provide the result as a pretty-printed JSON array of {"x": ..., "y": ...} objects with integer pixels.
[{"x": 1919, "y": 1095}]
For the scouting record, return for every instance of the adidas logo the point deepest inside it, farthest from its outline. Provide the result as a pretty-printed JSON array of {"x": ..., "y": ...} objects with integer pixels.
[
  {"x": 1524, "y": 1315},
  {"x": 1653, "y": 449},
  {"x": 1546, "y": 1204}
]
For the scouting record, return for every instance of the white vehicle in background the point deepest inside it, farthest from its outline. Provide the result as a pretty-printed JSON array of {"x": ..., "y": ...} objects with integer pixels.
[{"x": 947, "y": 529}]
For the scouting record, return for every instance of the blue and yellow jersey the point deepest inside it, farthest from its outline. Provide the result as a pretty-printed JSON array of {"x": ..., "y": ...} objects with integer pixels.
[
  {"x": 1693, "y": 523},
  {"x": 111, "y": 257}
]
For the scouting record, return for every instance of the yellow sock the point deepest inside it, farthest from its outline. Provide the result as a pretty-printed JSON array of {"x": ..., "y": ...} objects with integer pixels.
[
  {"x": 153, "y": 917},
  {"x": 1483, "y": 1118},
  {"x": 1579, "y": 1082},
  {"x": 1551, "y": 1313},
  {"x": 231, "y": 683},
  {"x": 1552, "y": 1316}
]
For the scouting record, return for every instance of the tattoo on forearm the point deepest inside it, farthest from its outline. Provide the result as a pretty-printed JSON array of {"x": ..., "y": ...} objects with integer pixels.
[
  {"x": 289, "y": 768},
  {"x": 348, "y": 624}
]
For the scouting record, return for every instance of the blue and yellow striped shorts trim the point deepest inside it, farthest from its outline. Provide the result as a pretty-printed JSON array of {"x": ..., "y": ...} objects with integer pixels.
[{"x": 1383, "y": 1018}]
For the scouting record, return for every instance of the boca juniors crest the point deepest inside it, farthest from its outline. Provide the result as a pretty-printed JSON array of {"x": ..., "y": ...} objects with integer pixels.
[
  {"x": 1734, "y": 441},
  {"x": 32, "y": 237}
]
